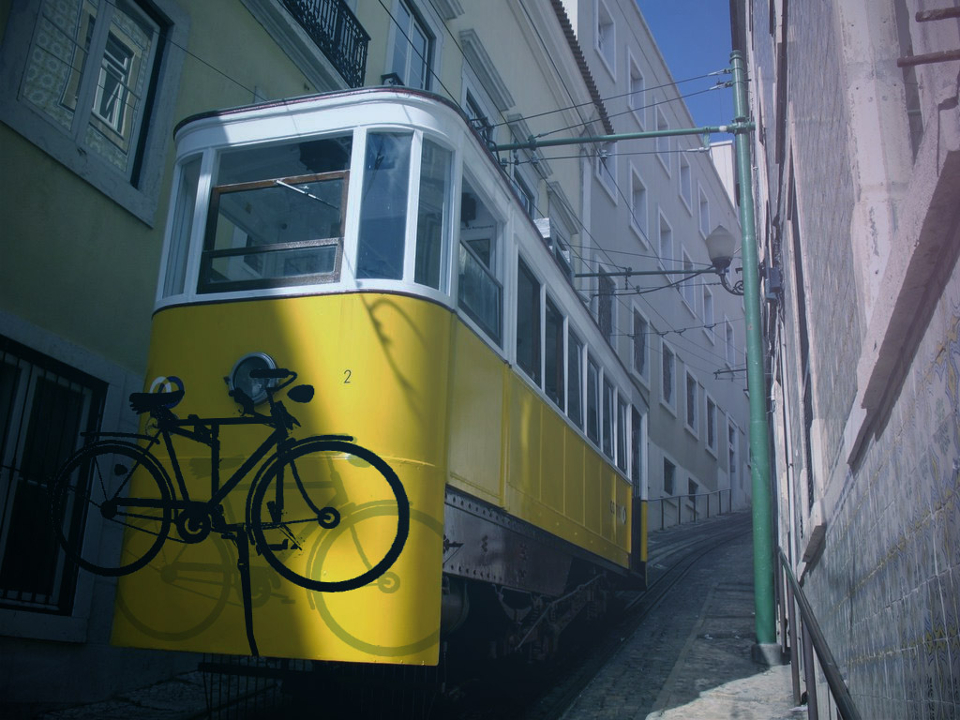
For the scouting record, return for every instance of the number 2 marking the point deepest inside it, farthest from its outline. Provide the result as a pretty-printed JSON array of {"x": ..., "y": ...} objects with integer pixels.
[{"x": 348, "y": 373}]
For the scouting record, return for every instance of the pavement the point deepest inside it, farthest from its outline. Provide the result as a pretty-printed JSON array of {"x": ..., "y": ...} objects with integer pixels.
[{"x": 692, "y": 658}]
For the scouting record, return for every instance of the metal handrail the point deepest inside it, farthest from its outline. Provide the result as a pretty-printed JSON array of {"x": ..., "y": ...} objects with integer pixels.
[
  {"x": 693, "y": 498},
  {"x": 841, "y": 694}
]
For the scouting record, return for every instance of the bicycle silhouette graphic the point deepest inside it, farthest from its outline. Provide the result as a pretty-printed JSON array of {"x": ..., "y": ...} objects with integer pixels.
[{"x": 293, "y": 497}]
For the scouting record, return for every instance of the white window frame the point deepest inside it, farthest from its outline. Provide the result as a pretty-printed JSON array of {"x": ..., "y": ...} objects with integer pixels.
[
  {"x": 639, "y": 222},
  {"x": 637, "y": 98},
  {"x": 605, "y": 37},
  {"x": 139, "y": 195},
  {"x": 670, "y": 403}
]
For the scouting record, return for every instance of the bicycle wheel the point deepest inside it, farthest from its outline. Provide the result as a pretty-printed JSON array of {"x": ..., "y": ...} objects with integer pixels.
[
  {"x": 91, "y": 496},
  {"x": 303, "y": 495}
]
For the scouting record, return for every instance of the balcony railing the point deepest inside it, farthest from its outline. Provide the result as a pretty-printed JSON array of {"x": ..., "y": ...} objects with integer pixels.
[{"x": 337, "y": 32}]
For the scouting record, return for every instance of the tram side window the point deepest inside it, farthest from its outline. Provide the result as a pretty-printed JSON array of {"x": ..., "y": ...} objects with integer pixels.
[
  {"x": 621, "y": 434},
  {"x": 528, "y": 322},
  {"x": 174, "y": 279},
  {"x": 276, "y": 216},
  {"x": 636, "y": 449},
  {"x": 553, "y": 355},
  {"x": 593, "y": 401},
  {"x": 480, "y": 294},
  {"x": 575, "y": 379},
  {"x": 383, "y": 209},
  {"x": 607, "y": 418},
  {"x": 433, "y": 214}
]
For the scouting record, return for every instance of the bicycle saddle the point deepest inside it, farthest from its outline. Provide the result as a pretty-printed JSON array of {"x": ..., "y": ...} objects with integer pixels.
[{"x": 148, "y": 402}]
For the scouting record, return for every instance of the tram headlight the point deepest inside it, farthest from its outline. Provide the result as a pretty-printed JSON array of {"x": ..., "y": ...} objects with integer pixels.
[{"x": 255, "y": 388}]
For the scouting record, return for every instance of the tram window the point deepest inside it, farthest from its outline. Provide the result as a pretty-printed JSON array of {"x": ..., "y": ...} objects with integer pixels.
[
  {"x": 480, "y": 294},
  {"x": 593, "y": 401},
  {"x": 636, "y": 449},
  {"x": 383, "y": 210},
  {"x": 433, "y": 212},
  {"x": 621, "y": 434},
  {"x": 575, "y": 379},
  {"x": 276, "y": 216},
  {"x": 607, "y": 418},
  {"x": 528, "y": 322},
  {"x": 174, "y": 277},
  {"x": 553, "y": 354}
]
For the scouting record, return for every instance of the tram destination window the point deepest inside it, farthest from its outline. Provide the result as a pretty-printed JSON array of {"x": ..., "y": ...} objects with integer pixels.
[{"x": 276, "y": 216}]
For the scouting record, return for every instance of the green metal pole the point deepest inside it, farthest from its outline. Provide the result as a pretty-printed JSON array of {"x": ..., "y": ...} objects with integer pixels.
[{"x": 756, "y": 381}]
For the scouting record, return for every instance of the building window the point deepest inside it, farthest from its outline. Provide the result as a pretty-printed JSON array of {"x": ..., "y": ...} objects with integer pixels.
[
  {"x": 641, "y": 351},
  {"x": 479, "y": 118},
  {"x": 730, "y": 342},
  {"x": 733, "y": 454},
  {"x": 638, "y": 206},
  {"x": 711, "y": 424},
  {"x": 593, "y": 400},
  {"x": 480, "y": 294},
  {"x": 528, "y": 322},
  {"x": 693, "y": 404},
  {"x": 687, "y": 288},
  {"x": 708, "y": 315},
  {"x": 663, "y": 142},
  {"x": 669, "y": 472},
  {"x": 528, "y": 199},
  {"x": 44, "y": 406},
  {"x": 668, "y": 376},
  {"x": 638, "y": 88},
  {"x": 605, "y": 302},
  {"x": 606, "y": 37},
  {"x": 607, "y": 168},
  {"x": 553, "y": 354},
  {"x": 413, "y": 48},
  {"x": 91, "y": 83},
  {"x": 575, "y": 379},
  {"x": 686, "y": 186},
  {"x": 665, "y": 248},
  {"x": 704, "y": 214}
]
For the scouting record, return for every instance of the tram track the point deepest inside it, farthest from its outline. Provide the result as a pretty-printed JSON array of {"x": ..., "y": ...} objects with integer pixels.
[{"x": 571, "y": 681}]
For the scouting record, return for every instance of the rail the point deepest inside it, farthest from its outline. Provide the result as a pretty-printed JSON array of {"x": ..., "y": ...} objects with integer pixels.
[
  {"x": 337, "y": 32},
  {"x": 680, "y": 509},
  {"x": 812, "y": 636}
]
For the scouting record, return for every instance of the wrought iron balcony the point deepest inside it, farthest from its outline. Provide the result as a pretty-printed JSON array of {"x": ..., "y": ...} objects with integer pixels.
[{"x": 337, "y": 32}]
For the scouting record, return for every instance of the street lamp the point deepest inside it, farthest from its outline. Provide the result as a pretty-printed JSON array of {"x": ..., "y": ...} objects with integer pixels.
[{"x": 720, "y": 247}]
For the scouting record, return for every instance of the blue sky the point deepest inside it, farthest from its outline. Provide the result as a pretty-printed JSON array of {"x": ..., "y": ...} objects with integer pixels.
[{"x": 694, "y": 38}]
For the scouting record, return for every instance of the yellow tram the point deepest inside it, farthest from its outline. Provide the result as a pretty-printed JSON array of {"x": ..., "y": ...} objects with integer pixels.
[{"x": 369, "y": 241}]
